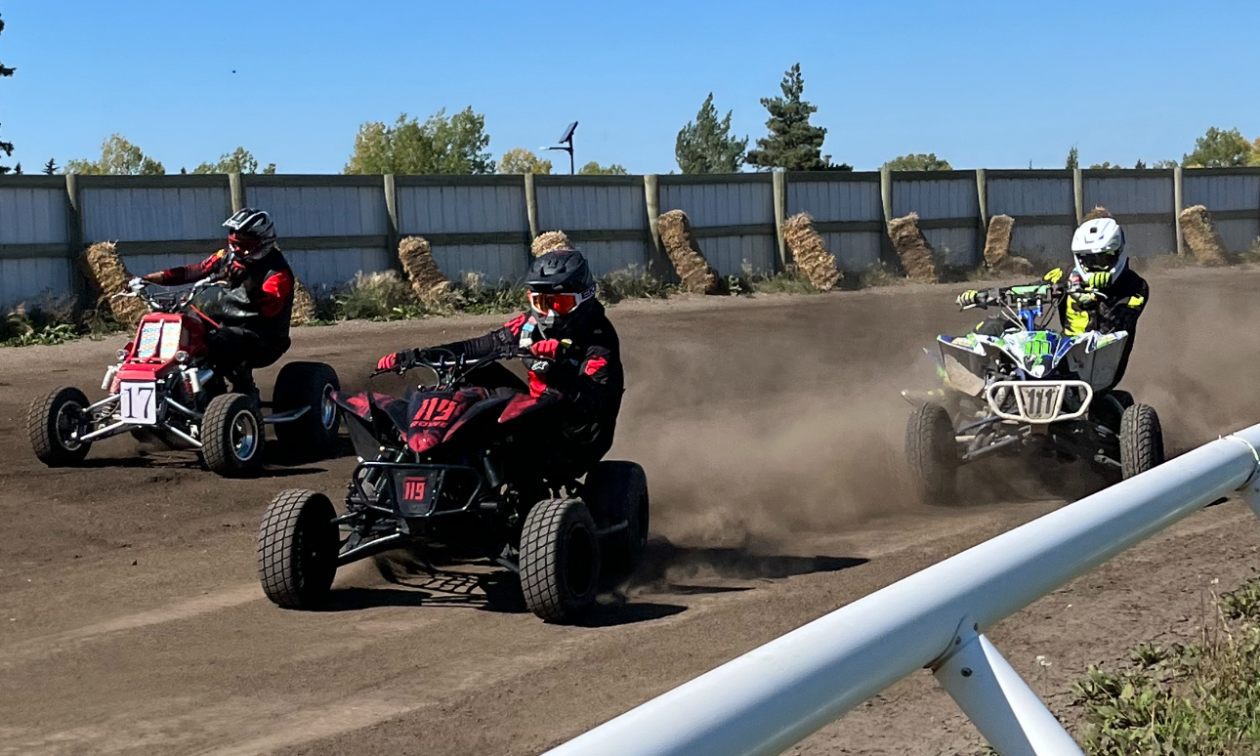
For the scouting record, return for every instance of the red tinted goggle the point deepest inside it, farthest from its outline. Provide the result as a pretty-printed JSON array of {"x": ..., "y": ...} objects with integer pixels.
[
  {"x": 243, "y": 242},
  {"x": 560, "y": 304}
]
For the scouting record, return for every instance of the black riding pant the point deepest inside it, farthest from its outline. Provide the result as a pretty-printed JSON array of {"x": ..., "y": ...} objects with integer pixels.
[{"x": 236, "y": 352}]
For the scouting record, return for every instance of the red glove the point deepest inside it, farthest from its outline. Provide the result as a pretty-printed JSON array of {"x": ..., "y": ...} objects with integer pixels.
[
  {"x": 387, "y": 362},
  {"x": 545, "y": 349}
]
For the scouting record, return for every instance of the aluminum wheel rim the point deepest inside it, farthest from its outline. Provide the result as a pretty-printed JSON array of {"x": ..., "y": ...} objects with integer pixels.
[
  {"x": 328, "y": 408},
  {"x": 67, "y": 424},
  {"x": 243, "y": 435}
]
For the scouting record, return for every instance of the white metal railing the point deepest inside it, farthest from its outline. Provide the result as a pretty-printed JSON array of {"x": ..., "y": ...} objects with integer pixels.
[{"x": 765, "y": 701}]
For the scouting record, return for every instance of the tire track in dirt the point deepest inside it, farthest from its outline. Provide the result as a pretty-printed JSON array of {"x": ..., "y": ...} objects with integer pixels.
[{"x": 770, "y": 430}]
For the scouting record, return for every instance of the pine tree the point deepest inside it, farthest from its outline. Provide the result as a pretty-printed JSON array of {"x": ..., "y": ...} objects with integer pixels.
[
  {"x": 50, "y": 168},
  {"x": 706, "y": 145},
  {"x": 793, "y": 143},
  {"x": 1073, "y": 159}
]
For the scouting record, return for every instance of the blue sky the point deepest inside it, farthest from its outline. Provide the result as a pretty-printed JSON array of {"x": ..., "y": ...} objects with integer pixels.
[{"x": 980, "y": 84}]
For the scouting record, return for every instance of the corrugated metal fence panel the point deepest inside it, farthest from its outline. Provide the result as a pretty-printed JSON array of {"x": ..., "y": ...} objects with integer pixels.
[
  {"x": 1130, "y": 194},
  {"x": 607, "y": 256},
  {"x": 1024, "y": 199},
  {"x": 854, "y": 250},
  {"x": 495, "y": 263},
  {"x": 153, "y": 214},
  {"x": 33, "y": 280},
  {"x": 721, "y": 204},
  {"x": 936, "y": 197},
  {"x": 330, "y": 268},
  {"x": 1021, "y": 197},
  {"x": 835, "y": 200},
  {"x": 1124, "y": 195},
  {"x": 33, "y": 216},
  {"x": 322, "y": 210},
  {"x": 462, "y": 209},
  {"x": 1218, "y": 193},
  {"x": 577, "y": 207},
  {"x": 957, "y": 247},
  {"x": 732, "y": 255},
  {"x": 143, "y": 264},
  {"x": 1042, "y": 244}
]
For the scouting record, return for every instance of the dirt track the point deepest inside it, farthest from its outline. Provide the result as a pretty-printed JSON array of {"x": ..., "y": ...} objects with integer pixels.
[{"x": 131, "y": 620}]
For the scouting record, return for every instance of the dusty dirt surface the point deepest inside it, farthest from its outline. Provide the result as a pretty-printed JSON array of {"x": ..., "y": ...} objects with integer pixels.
[{"x": 131, "y": 620}]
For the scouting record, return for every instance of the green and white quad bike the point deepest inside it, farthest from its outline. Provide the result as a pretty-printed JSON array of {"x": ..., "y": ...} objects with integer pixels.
[{"x": 1030, "y": 392}]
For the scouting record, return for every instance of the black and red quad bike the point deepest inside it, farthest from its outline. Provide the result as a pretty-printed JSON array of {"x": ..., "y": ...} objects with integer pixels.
[
  {"x": 443, "y": 473},
  {"x": 164, "y": 390}
]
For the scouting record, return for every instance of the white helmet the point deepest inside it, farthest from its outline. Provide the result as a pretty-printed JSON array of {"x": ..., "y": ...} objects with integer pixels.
[{"x": 1098, "y": 246}]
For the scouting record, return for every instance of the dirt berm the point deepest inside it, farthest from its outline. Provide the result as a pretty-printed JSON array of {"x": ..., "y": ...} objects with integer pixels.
[{"x": 131, "y": 620}]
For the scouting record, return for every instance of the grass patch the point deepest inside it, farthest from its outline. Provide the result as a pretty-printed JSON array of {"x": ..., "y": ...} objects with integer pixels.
[
  {"x": 54, "y": 322},
  {"x": 1201, "y": 698},
  {"x": 630, "y": 283}
]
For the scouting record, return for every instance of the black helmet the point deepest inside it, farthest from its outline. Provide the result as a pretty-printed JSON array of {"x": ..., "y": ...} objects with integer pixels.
[
  {"x": 559, "y": 283},
  {"x": 251, "y": 234}
]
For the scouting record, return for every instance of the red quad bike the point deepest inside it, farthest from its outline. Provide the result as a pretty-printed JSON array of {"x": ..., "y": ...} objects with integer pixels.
[
  {"x": 439, "y": 473},
  {"x": 164, "y": 390}
]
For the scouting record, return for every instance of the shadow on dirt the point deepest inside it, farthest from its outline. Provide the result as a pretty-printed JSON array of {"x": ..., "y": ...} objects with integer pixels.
[
  {"x": 497, "y": 591},
  {"x": 189, "y": 461},
  {"x": 672, "y": 569}
]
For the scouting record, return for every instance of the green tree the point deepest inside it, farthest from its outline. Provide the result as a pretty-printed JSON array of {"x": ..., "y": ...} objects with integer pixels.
[
  {"x": 1105, "y": 165},
  {"x": 1220, "y": 149},
  {"x": 119, "y": 157},
  {"x": 50, "y": 168},
  {"x": 6, "y": 147},
  {"x": 793, "y": 143},
  {"x": 521, "y": 160},
  {"x": 446, "y": 145},
  {"x": 238, "y": 161},
  {"x": 595, "y": 169},
  {"x": 1165, "y": 164},
  {"x": 918, "y": 162},
  {"x": 1073, "y": 159},
  {"x": 706, "y": 145}
]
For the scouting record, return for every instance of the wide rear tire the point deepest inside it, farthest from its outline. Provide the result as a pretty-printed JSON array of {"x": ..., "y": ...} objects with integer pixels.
[
  {"x": 559, "y": 560},
  {"x": 616, "y": 493},
  {"x": 307, "y": 384},
  {"x": 932, "y": 455},
  {"x": 297, "y": 549},
  {"x": 1141, "y": 441},
  {"x": 232, "y": 436},
  {"x": 54, "y": 423}
]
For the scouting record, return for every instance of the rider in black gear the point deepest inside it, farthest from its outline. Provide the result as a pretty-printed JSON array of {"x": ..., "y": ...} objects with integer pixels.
[{"x": 575, "y": 362}]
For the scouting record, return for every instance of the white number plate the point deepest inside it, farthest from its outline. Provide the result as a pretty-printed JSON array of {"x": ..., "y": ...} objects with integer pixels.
[{"x": 138, "y": 402}]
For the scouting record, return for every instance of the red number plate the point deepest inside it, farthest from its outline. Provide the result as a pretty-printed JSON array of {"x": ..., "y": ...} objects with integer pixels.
[{"x": 414, "y": 489}]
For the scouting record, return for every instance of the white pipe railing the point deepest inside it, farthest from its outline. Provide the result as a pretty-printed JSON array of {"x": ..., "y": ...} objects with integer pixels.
[{"x": 765, "y": 701}]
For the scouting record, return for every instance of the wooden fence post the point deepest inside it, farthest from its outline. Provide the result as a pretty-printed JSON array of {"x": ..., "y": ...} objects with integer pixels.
[
  {"x": 531, "y": 206},
  {"x": 656, "y": 251},
  {"x": 393, "y": 233},
  {"x": 1078, "y": 195},
  {"x": 74, "y": 241},
  {"x": 887, "y": 254},
  {"x": 1178, "y": 206},
  {"x": 779, "y": 179},
  {"x": 982, "y": 196},
  {"x": 237, "y": 190}
]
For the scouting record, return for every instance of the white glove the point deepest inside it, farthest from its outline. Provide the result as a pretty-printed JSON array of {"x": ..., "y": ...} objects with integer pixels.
[{"x": 136, "y": 284}]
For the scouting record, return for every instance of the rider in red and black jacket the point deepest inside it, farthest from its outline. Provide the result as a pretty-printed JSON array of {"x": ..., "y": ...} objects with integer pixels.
[
  {"x": 255, "y": 331},
  {"x": 578, "y": 356}
]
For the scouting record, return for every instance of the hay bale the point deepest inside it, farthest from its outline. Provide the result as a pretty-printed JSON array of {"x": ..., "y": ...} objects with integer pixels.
[
  {"x": 1204, "y": 242},
  {"x": 548, "y": 241},
  {"x": 430, "y": 284},
  {"x": 997, "y": 248},
  {"x": 1098, "y": 212},
  {"x": 913, "y": 249},
  {"x": 106, "y": 269},
  {"x": 810, "y": 253},
  {"x": 680, "y": 244},
  {"x": 303, "y": 304}
]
